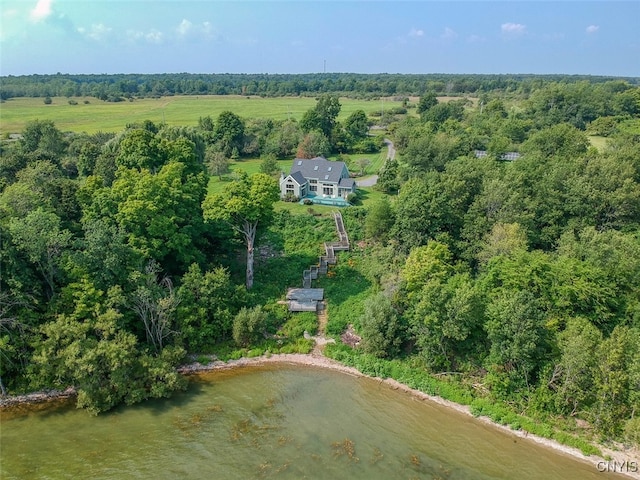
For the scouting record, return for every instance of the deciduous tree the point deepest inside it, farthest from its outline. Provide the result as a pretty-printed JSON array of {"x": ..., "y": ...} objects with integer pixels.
[{"x": 245, "y": 204}]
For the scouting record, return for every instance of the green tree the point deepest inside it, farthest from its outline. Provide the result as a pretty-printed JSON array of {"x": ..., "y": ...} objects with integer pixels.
[
  {"x": 426, "y": 263},
  {"x": 563, "y": 140},
  {"x": 161, "y": 213},
  {"x": 362, "y": 164},
  {"x": 616, "y": 380},
  {"x": 515, "y": 329},
  {"x": 574, "y": 374},
  {"x": 155, "y": 302},
  {"x": 388, "y": 181},
  {"x": 323, "y": 116},
  {"x": 504, "y": 239},
  {"x": 217, "y": 162},
  {"x": 88, "y": 350},
  {"x": 380, "y": 327},
  {"x": 208, "y": 303},
  {"x": 379, "y": 221},
  {"x": 42, "y": 136},
  {"x": 284, "y": 139},
  {"x": 245, "y": 204},
  {"x": 249, "y": 326},
  {"x": 141, "y": 149},
  {"x": 229, "y": 132},
  {"x": 357, "y": 125},
  {"x": 313, "y": 144},
  {"x": 269, "y": 165},
  {"x": 40, "y": 237},
  {"x": 426, "y": 101},
  {"x": 446, "y": 316}
]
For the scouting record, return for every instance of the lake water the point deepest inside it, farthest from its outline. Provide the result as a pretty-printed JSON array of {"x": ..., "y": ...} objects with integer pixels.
[{"x": 281, "y": 422}]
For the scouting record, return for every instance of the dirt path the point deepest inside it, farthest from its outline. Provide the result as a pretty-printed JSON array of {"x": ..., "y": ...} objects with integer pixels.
[
  {"x": 371, "y": 180},
  {"x": 320, "y": 338}
]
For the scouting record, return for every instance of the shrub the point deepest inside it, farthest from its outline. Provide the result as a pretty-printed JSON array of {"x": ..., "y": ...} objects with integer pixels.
[
  {"x": 249, "y": 325},
  {"x": 72, "y": 102},
  {"x": 290, "y": 197},
  {"x": 353, "y": 197},
  {"x": 299, "y": 323},
  {"x": 307, "y": 201},
  {"x": 47, "y": 100}
]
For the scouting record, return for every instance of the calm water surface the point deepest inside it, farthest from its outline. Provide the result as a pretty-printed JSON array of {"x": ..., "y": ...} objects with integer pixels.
[{"x": 282, "y": 422}]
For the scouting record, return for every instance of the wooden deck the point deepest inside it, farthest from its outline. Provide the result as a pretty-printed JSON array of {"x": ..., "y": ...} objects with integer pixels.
[{"x": 304, "y": 299}]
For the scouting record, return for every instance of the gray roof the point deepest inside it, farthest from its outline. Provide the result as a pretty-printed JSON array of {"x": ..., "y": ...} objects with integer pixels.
[
  {"x": 346, "y": 182},
  {"x": 504, "y": 156},
  {"x": 298, "y": 177},
  {"x": 319, "y": 168}
]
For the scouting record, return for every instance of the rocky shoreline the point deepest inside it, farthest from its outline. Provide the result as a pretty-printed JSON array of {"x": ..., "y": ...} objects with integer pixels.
[
  {"x": 37, "y": 397},
  {"x": 318, "y": 360}
]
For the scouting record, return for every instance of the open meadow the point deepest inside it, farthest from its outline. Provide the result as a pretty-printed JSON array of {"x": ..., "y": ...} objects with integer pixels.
[{"x": 98, "y": 115}]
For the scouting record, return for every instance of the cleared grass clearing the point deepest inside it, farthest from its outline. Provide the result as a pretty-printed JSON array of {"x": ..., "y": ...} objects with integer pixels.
[
  {"x": 179, "y": 110},
  {"x": 252, "y": 165}
]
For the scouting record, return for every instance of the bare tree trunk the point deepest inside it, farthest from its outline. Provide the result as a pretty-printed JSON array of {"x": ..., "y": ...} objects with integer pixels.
[{"x": 249, "y": 232}]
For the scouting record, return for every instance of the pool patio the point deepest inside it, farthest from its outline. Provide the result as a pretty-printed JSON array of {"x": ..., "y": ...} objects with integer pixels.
[{"x": 319, "y": 200}]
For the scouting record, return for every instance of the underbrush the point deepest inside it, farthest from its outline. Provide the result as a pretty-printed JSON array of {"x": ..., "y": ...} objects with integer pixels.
[
  {"x": 450, "y": 389},
  {"x": 299, "y": 323}
]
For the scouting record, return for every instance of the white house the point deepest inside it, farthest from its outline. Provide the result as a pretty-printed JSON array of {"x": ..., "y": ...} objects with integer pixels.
[{"x": 317, "y": 178}]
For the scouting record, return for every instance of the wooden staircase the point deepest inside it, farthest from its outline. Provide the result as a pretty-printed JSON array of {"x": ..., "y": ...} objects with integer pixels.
[
  {"x": 329, "y": 258},
  {"x": 306, "y": 299}
]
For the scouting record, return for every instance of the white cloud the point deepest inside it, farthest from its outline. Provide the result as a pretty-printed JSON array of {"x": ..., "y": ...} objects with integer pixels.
[
  {"x": 41, "y": 11},
  {"x": 188, "y": 30},
  {"x": 184, "y": 28},
  {"x": 154, "y": 36},
  {"x": 449, "y": 34},
  {"x": 416, "y": 33},
  {"x": 513, "y": 28},
  {"x": 592, "y": 29},
  {"x": 98, "y": 31}
]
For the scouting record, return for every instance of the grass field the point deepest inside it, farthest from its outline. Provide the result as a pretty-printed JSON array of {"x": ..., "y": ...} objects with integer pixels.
[
  {"x": 252, "y": 165},
  {"x": 179, "y": 110}
]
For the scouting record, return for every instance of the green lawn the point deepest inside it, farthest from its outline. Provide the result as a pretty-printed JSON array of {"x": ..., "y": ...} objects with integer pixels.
[
  {"x": 252, "y": 165},
  {"x": 179, "y": 110}
]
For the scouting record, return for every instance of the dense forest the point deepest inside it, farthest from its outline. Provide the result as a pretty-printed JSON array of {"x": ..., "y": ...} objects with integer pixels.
[
  {"x": 120, "y": 87},
  {"x": 516, "y": 283}
]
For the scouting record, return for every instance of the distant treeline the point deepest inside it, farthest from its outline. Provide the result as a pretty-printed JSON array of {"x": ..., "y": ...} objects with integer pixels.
[{"x": 121, "y": 86}]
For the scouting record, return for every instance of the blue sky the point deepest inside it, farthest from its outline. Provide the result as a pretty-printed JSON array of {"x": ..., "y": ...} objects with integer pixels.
[{"x": 117, "y": 36}]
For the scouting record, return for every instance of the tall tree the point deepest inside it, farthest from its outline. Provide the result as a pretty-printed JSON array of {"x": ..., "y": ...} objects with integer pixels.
[
  {"x": 43, "y": 241},
  {"x": 323, "y": 116},
  {"x": 229, "y": 133},
  {"x": 245, "y": 204}
]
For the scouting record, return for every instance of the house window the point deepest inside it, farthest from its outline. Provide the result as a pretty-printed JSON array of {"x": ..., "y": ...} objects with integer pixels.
[
  {"x": 313, "y": 188},
  {"x": 327, "y": 190},
  {"x": 313, "y": 180},
  {"x": 316, "y": 167},
  {"x": 290, "y": 190}
]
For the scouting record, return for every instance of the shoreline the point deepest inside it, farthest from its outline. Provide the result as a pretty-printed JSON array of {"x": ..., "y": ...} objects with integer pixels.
[{"x": 320, "y": 361}]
